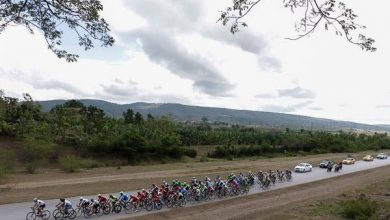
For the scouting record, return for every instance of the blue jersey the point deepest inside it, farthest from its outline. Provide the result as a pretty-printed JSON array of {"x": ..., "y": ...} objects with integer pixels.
[{"x": 124, "y": 198}]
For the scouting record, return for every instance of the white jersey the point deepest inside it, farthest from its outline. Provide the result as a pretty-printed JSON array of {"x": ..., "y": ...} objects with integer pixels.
[
  {"x": 84, "y": 201},
  {"x": 39, "y": 203}
]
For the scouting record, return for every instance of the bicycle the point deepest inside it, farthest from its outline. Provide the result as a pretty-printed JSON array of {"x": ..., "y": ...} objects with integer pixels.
[
  {"x": 60, "y": 214},
  {"x": 34, "y": 214}
]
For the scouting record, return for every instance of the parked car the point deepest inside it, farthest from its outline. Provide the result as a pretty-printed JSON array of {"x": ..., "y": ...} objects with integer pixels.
[
  {"x": 349, "y": 161},
  {"x": 368, "y": 158},
  {"x": 381, "y": 156},
  {"x": 303, "y": 167},
  {"x": 324, "y": 163}
]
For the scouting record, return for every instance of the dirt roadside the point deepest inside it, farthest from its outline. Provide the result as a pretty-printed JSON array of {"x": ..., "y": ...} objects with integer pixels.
[{"x": 275, "y": 204}]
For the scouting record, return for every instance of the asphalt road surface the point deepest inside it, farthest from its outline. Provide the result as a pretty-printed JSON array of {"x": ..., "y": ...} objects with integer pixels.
[{"x": 18, "y": 211}]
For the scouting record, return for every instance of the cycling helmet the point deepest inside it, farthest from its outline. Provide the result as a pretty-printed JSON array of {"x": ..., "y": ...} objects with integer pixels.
[
  {"x": 35, "y": 200},
  {"x": 81, "y": 198},
  {"x": 99, "y": 195},
  {"x": 111, "y": 196},
  {"x": 92, "y": 200},
  {"x": 62, "y": 200},
  {"x": 121, "y": 193}
]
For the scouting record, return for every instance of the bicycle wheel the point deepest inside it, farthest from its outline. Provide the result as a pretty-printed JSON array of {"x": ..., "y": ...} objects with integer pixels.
[
  {"x": 99, "y": 212},
  {"x": 46, "y": 214},
  {"x": 117, "y": 208},
  {"x": 149, "y": 206},
  {"x": 58, "y": 215},
  {"x": 106, "y": 209},
  {"x": 31, "y": 216},
  {"x": 72, "y": 214},
  {"x": 158, "y": 205},
  {"x": 79, "y": 212},
  {"x": 88, "y": 212}
]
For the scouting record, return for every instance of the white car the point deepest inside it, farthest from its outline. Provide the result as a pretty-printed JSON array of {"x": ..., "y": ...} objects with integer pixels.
[
  {"x": 303, "y": 167},
  {"x": 381, "y": 156}
]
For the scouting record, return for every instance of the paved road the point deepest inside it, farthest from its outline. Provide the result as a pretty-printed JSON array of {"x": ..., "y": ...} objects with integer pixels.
[{"x": 18, "y": 211}]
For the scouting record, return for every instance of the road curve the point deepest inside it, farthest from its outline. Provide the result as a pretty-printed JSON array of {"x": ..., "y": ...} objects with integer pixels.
[{"x": 18, "y": 211}]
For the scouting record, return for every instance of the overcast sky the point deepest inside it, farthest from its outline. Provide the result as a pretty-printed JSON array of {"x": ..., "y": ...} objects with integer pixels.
[{"x": 174, "y": 51}]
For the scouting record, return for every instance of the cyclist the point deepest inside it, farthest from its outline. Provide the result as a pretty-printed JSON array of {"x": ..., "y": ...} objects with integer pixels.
[
  {"x": 94, "y": 205},
  {"x": 64, "y": 205},
  {"x": 84, "y": 203},
  {"x": 124, "y": 198},
  {"x": 113, "y": 199},
  {"x": 39, "y": 205},
  {"x": 102, "y": 200}
]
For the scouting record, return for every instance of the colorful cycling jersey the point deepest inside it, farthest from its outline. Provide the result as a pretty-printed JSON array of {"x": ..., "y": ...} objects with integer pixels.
[
  {"x": 124, "y": 198},
  {"x": 102, "y": 199}
]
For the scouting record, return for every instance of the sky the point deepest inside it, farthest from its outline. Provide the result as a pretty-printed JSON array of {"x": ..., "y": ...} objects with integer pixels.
[{"x": 174, "y": 51}]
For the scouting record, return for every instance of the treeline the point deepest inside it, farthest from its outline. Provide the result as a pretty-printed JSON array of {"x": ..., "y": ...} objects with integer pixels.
[
  {"x": 86, "y": 132},
  {"x": 75, "y": 130},
  {"x": 240, "y": 141}
]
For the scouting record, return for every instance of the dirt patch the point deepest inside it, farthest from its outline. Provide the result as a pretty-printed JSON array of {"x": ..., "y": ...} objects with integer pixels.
[{"x": 275, "y": 204}]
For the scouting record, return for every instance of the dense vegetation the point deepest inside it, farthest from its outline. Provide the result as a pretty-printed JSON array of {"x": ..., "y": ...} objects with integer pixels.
[
  {"x": 187, "y": 113},
  {"x": 73, "y": 135}
]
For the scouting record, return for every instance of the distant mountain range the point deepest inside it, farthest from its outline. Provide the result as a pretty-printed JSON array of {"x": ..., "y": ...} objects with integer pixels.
[{"x": 186, "y": 113}]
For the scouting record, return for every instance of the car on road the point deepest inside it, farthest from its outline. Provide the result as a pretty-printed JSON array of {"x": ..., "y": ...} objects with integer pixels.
[
  {"x": 324, "y": 163},
  {"x": 381, "y": 156},
  {"x": 349, "y": 161},
  {"x": 368, "y": 158},
  {"x": 303, "y": 167}
]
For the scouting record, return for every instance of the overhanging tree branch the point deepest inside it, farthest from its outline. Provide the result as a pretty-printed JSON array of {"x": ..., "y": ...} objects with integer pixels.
[{"x": 331, "y": 13}]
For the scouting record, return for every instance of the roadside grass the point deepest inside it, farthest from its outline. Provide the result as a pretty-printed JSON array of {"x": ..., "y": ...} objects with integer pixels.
[{"x": 368, "y": 203}]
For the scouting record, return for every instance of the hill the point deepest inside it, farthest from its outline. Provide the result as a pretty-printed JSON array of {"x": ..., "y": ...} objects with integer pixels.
[{"x": 186, "y": 113}]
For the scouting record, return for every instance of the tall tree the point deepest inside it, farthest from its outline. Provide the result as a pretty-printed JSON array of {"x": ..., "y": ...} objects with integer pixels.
[
  {"x": 332, "y": 14},
  {"x": 128, "y": 115},
  {"x": 53, "y": 16}
]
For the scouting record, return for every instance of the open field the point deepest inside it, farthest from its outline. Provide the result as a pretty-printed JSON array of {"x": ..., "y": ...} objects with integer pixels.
[{"x": 47, "y": 184}]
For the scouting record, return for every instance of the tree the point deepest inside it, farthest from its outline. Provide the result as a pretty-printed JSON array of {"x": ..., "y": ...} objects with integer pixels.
[
  {"x": 330, "y": 13},
  {"x": 53, "y": 16},
  {"x": 138, "y": 119},
  {"x": 128, "y": 115}
]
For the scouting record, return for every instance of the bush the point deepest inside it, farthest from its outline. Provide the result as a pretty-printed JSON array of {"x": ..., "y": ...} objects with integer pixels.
[
  {"x": 204, "y": 159},
  {"x": 31, "y": 167},
  {"x": 191, "y": 153},
  {"x": 358, "y": 209},
  {"x": 69, "y": 163}
]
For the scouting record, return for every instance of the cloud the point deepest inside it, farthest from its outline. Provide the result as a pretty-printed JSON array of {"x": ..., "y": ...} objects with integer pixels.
[
  {"x": 56, "y": 85},
  {"x": 317, "y": 108},
  {"x": 297, "y": 92},
  {"x": 382, "y": 106},
  {"x": 161, "y": 48},
  {"x": 265, "y": 96},
  {"x": 130, "y": 92},
  {"x": 288, "y": 108},
  {"x": 170, "y": 18}
]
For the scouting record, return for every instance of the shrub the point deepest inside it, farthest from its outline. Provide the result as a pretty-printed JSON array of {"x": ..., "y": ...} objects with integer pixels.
[
  {"x": 191, "y": 153},
  {"x": 204, "y": 159},
  {"x": 69, "y": 163},
  {"x": 358, "y": 209},
  {"x": 31, "y": 167}
]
